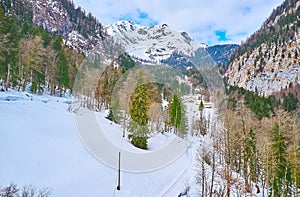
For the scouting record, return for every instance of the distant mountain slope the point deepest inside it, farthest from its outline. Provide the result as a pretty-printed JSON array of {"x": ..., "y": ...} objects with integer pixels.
[
  {"x": 79, "y": 30},
  {"x": 161, "y": 44},
  {"x": 152, "y": 43},
  {"x": 221, "y": 53},
  {"x": 83, "y": 32},
  {"x": 269, "y": 60}
]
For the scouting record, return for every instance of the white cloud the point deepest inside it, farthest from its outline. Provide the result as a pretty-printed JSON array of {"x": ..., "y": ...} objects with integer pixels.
[{"x": 200, "y": 18}]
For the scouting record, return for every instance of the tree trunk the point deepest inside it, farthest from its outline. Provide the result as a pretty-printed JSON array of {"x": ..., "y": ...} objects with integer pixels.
[
  {"x": 7, "y": 78},
  {"x": 212, "y": 175},
  {"x": 203, "y": 175}
]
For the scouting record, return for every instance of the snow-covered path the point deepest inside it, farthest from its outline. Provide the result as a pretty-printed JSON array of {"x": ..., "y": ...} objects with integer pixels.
[
  {"x": 105, "y": 151},
  {"x": 40, "y": 146}
]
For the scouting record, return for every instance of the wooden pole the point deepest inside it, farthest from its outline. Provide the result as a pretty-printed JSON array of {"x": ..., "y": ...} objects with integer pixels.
[{"x": 119, "y": 172}]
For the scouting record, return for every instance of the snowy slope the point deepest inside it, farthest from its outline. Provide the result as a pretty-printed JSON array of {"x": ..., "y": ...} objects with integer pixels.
[
  {"x": 40, "y": 145},
  {"x": 152, "y": 43}
]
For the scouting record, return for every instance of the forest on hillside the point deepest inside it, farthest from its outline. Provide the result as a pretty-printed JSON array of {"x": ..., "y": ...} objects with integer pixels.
[
  {"x": 33, "y": 59},
  {"x": 260, "y": 136}
]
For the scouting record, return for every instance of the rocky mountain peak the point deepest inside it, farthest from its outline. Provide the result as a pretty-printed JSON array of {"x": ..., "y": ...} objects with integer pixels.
[
  {"x": 153, "y": 43},
  {"x": 79, "y": 30}
]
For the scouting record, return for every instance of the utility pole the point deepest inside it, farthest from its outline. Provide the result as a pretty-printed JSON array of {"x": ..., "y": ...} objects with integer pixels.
[{"x": 119, "y": 172}]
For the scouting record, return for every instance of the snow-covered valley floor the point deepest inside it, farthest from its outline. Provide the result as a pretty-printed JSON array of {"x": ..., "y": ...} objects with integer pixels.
[{"x": 40, "y": 146}]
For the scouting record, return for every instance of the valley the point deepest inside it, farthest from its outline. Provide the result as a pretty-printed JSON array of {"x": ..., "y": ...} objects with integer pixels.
[{"x": 141, "y": 107}]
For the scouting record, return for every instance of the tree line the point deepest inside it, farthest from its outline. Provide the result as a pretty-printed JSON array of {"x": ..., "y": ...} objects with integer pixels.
[
  {"x": 255, "y": 147},
  {"x": 33, "y": 59}
]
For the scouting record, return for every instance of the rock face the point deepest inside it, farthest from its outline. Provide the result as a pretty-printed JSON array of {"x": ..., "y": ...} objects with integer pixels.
[
  {"x": 79, "y": 31},
  {"x": 160, "y": 44},
  {"x": 266, "y": 75},
  {"x": 154, "y": 43},
  {"x": 269, "y": 60}
]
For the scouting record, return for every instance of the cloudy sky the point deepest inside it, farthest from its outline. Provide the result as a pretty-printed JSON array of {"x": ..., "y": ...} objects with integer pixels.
[{"x": 208, "y": 21}]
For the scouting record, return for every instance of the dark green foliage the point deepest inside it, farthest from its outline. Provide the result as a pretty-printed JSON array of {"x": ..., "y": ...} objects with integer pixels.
[
  {"x": 138, "y": 134},
  {"x": 139, "y": 108},
  {"x": 177, "y": 115},
  {"x": 126, "y": 62},
  {"x": 261, "y": 106},
  {"x": 289, "y": 102},
  {"x": 281, "y": 181},
  {"x": 36, "y": 86},
  {"x": 201, "y": 105},
  {"x": 46, "y": 37},
  {"x": 232, "y": 103},
  {"x": 28, "y": 66},
  {"x": 63, "y": 71},
  {"x": 114, "y": 113},
  {"x": 111, "y": 115},
  {"x": 85, "y": 24},
  {"x": 9, "y": 40},
  {"x": 138, "y": 126},
  {"x": 165, "y": 93},
  {"x": 176, "y": 110},
  {"x": 20, "y": 9},
  {"x": 140, "y": 142},
  {"x": 252, "y": 154},
  {"x": 57, "y": 43}
]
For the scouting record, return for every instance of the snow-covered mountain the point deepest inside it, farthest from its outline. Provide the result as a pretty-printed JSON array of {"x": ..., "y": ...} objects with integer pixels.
[
  {"x": 83, "y": 32},
  {"x": 153, "y": 43},
  {"x": 268, "y": 61},
  {"x": 79, "y": 30}
]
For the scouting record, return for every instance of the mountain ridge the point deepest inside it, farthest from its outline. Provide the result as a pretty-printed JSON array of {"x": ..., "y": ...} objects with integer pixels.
[
  {"x": 161, "y": 44},
  {"x": 269, "y": 59},
  {"x": 79, "y": 30},
  {"x": 153, "y": 43}
]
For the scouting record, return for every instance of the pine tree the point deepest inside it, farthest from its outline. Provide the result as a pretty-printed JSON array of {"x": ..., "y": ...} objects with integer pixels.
[
  {"x": 176, "y": 111},
  {"x": 201, "y": 106},
  {"x": 281, "y": 177},
  {"x": 138, "y": 125},
  {"x": 110, "y": 115},
  {"x": 252, "y": 154},
  {"x": 63, "y": 72},
  {"x": 9, "y": 39},
  {"x": 289, "y": 102},
  {"x": 114, "y": 112},
  {"x": 62, "y": 65}
]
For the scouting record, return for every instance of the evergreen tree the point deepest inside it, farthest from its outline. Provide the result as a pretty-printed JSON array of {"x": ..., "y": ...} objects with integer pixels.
[
  {"x": 289, "y": 102},
  {"x": 110, "y": 115},
  {"x": 281, "y": 177},
  {"x": 138, "y": 125},
  {"x": 114, "y": 112},
  {"x": 63, "y": 70},
  {"x": 62, "y": 67},
  {"x": 176, "y": 111},
  {"x": 201, "y": 106},
  {"x": 9, "y": 39},
  {"x": 252, "y": 154}
]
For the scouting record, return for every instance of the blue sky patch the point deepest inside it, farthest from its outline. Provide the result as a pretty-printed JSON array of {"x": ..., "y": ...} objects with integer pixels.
[
  {"x": 140, "y": 17},
  {"x": 246, "y": 10},
  {"x": 221, "y": 35}
]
